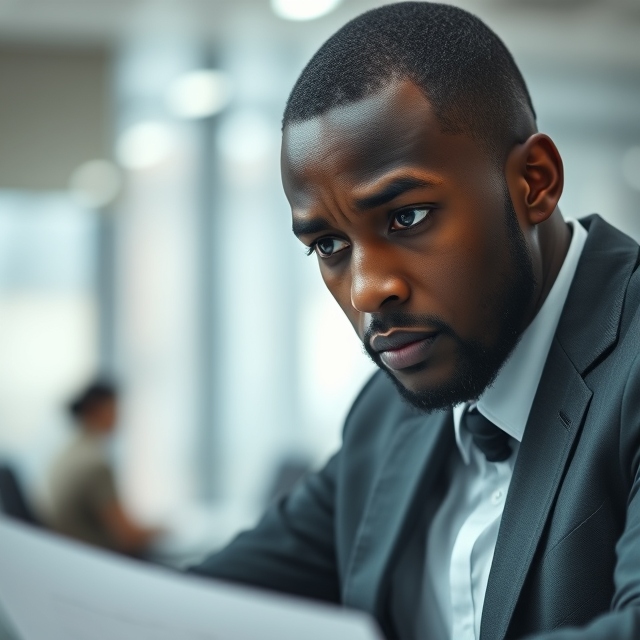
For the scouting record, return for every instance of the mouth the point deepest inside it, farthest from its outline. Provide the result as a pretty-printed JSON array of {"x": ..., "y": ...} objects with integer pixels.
[{"x": 403, "y": 349}]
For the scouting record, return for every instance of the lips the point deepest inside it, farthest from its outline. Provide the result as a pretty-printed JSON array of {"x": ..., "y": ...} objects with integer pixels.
[{"x": 402, "y": 349}]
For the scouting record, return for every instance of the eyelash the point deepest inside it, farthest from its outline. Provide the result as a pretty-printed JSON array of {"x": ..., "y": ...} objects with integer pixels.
[{"x": 311, "y": 249}]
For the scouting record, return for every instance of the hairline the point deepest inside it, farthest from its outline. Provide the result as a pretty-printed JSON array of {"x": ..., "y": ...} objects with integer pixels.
[{"x": 495, "y": 150}]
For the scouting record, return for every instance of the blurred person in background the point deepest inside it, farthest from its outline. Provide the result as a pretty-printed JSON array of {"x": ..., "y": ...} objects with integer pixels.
[
  {"x": 84, "y": 500},
  {"x": 488, "y": 484}
]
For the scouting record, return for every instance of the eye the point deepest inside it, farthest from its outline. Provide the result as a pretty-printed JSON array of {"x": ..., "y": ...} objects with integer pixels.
[
  {"x": 326, "y": 247},
  {"x": 409, "y": 218}
]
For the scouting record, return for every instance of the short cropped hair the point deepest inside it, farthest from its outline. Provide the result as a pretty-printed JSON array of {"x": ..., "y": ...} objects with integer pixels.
[{"x": 464, "y": 70}]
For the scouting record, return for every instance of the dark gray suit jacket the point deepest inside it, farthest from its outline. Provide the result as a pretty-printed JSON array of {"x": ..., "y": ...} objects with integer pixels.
[{"x": 567, "y": 559}]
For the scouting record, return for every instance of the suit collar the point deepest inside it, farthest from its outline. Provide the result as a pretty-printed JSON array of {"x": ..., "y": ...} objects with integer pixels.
[
  {"x": 585, "y": 333},
  {"x": 590, "y": 322},
  {"x": 419, "y": 446}
]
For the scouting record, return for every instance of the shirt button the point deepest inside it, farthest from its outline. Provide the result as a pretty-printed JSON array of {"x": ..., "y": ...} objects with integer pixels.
[{"x": 496, "y": 496}]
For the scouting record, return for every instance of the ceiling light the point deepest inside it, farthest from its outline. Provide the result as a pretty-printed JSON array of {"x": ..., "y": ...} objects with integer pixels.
[
  {"x": 144, "y": 145},
  {"x": 198, "y": 94},
  {"x": 303, "y": 9}
]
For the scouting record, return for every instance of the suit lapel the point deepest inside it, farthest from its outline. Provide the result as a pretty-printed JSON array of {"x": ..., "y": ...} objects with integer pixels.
[
  {"x": 555, "y": 419},
  {"x": 585, "y": 334},
  {"x": 412, "y": 464}
]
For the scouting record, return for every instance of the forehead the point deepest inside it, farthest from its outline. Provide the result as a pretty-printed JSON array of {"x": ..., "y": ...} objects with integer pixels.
[{"x": 394, "y": 127}]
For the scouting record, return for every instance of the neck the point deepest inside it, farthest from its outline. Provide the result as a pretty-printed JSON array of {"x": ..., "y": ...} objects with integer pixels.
[{"x": 554, "y": 238}]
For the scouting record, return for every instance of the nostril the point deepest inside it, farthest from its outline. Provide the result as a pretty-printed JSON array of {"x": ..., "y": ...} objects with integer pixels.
[{"x": 371, "y": 290}]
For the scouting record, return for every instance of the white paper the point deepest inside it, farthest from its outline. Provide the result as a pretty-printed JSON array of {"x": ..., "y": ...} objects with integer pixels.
[{"x": 54, "y": 589}]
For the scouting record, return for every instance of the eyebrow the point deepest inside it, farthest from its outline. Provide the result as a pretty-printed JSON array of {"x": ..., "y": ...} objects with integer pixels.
[
  {"x": 307, "y": 227},
  {"x": 390, "y": 191}
]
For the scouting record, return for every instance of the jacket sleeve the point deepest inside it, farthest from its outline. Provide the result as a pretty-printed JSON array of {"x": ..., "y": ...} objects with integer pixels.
[
  {"x": 622, "y": 622},
  {"x": 292, "y": 549}
]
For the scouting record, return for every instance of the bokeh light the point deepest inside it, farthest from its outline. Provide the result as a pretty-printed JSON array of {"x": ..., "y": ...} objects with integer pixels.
[
  {"x": 303, "y": 9},
  {"x": 199, "y": 94},
  {"x": 144, "y": 145},
  {"x": 95, "y": 184}
]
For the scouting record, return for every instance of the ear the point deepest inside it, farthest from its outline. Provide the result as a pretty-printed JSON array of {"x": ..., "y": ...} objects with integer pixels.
[{"x": 535, "y": 176}]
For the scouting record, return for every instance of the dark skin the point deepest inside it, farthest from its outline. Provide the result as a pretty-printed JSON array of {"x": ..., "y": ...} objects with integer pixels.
[{"x": 406, "y": 219}]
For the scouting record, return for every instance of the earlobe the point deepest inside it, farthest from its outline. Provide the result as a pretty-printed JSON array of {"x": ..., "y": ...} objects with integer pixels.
[{"x": 541, "y": 176}]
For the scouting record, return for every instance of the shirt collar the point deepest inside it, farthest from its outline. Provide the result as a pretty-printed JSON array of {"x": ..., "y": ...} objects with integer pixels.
[{"x": 507, "y": 402}]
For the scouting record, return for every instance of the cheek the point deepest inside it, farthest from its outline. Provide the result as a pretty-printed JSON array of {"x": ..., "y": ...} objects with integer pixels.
[{"x": 465, "y": 270}]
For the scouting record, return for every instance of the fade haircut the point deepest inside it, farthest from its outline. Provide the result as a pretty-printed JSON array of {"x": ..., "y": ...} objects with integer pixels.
[{"x": 462, "y": 67}]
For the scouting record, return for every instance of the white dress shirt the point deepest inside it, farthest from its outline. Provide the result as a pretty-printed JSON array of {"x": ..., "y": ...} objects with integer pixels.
[{"x": 463, "y": 533}]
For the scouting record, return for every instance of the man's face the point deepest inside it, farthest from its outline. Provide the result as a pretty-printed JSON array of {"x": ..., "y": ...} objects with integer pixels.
[
  {"x": 416, "y": 239},
  {"x": 101, "y": 414}
]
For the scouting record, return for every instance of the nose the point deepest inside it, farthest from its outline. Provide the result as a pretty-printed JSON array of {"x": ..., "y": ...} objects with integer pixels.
[{"x": 376, "y": 281}]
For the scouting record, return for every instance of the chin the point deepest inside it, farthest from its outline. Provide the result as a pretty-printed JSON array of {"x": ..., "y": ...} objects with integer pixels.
[
  {"x": 428, "y": 390},
  {"x": 421, "y": 394},
  {"x": 424, "y": 378}
]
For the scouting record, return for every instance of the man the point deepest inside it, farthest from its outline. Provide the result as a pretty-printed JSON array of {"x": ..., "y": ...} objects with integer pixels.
[
  {"x": 84, "y": 500},
  {"x": 486, "y": 486}
]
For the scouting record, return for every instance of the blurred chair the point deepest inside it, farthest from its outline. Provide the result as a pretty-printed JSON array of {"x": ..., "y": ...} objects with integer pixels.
[{"x": 12, "y": 499}]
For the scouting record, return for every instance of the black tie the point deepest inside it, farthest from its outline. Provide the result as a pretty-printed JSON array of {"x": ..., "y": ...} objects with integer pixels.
[{"x": 491, "y": 440}]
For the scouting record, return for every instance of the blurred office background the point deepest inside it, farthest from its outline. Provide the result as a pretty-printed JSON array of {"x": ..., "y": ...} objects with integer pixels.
[{"x": 144, "y": 234}]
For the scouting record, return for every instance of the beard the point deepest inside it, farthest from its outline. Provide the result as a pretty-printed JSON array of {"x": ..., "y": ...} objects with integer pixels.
[{"x": 477, "y": 365}]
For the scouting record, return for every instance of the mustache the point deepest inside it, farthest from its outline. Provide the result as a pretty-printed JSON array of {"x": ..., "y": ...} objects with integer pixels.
[{"x": 383, "y": 323}]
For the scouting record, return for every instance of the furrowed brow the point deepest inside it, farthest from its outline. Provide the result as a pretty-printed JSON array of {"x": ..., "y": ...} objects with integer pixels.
[
  {"x": 307, "y": 227},
  {"x": 391, "y": 191}
]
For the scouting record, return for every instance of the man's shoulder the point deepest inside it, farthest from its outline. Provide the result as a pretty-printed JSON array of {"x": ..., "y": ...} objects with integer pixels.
[
  {"x": 603, "y": 294},
  {"x": 603, "y": 235},
  {"x": 607, "y": 243}
]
